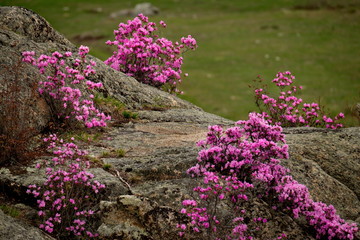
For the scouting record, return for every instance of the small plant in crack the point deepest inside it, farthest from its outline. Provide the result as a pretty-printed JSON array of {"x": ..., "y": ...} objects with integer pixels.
[{"x": 115, "y": 153}]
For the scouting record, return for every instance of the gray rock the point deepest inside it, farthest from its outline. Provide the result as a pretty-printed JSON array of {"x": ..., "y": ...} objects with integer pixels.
[
  {"x": 183, "y": 115},
  {"x": 23, "y": 112},
  {"x": 134, "y": 217},
  {"x": 328, "y": 162},
  {"x": 114, "y": 187},
  {"x": 16, "y": 184},
  {"x": 14, "y": 229},
  {"x": 27, "y": 23},
  {"x": 154, "y": 151},
  {"x": 145, "y": 8}
]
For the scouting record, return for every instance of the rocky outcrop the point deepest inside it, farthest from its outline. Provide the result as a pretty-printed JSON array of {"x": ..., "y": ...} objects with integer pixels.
[
  {"x": 328, "y": 162},
  {"x": 23, "y": 112},
  {"x": 23, "y": 30},
  {"x": 159, "y": 153},
  {"x": 146, "y": 186}
]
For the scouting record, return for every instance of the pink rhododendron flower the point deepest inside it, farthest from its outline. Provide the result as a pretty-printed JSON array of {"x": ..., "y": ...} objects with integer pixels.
[
  {"x": 63, "y": 73},
  {"x": 251, "y": 151},
  {"x": 66, "y": 189},
  {"x": 288, "y": 110},
  {"x": 150, "y": 59}
]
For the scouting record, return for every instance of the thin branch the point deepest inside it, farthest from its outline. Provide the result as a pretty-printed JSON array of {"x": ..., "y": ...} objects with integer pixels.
[{"x": 123, "y": 181}]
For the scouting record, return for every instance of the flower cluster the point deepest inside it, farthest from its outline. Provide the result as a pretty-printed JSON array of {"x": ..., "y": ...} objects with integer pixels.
[
  {"x": 241, "y": 164},
  {"x": 64, "y": 74},
  {"x": 150, "y": 59},
  {"x": 288, "y": 110},
  {"x": 201, "y": 212},
  {"x": 295, "y": 197},
  {"x": 69, "y": 193}
]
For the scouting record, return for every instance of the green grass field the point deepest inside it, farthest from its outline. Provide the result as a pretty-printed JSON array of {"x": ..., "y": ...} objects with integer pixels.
[{"x": 317, "y": 40}]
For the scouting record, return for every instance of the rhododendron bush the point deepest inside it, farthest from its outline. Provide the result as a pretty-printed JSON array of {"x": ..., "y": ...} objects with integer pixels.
[
  {"x": 241, "y": 165},
  {"x": 68, "y": 197},
  {"x": 68, "y": 86},
  {"x": 146, "y": 56},
  {"x": 288, "y": 110}
]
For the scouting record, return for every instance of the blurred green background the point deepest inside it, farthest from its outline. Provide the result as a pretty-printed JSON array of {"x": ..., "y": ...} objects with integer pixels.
[{"x": 317, "y": 40}]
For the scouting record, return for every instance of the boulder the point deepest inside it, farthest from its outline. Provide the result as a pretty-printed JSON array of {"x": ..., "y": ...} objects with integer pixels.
[
  {"x": 23, "y": 111},
  {"x": 328, "y": 163},
  {"x": 145, "y": 8}
]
